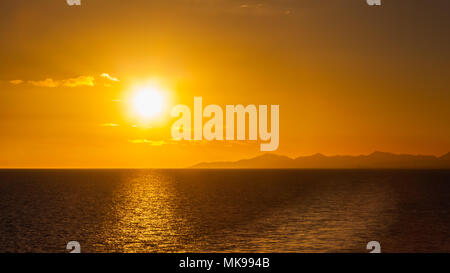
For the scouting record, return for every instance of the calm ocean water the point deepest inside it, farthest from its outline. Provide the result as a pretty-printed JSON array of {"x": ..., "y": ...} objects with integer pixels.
[{"x": 224, "y": 210}]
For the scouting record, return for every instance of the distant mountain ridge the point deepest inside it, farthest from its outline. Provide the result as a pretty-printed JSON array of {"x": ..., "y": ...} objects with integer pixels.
[{"x": 376, "y": 160}]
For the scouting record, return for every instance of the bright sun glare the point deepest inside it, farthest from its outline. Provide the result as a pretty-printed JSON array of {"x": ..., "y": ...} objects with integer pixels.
[{"x": 148, "y": 102}]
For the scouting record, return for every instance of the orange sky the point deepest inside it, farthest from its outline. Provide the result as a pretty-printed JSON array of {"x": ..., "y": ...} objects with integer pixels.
[{"x": 349, "y": 78}]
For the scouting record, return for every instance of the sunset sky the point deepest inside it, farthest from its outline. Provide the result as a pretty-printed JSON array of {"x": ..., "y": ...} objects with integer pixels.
[{"x": 349, "y": 78}]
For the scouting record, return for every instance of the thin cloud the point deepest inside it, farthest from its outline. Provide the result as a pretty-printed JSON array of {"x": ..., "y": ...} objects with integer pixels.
[
  {"x": 80, "y": 81},
  {"x": 16, "y": 82},
  {"x": 45, "y": 83},
  {"x": 109, "y": 125},
  {"x": 71, "y": 82},
  {"x": 148, "y": 142},
  {"x": 108, "y": 77}
]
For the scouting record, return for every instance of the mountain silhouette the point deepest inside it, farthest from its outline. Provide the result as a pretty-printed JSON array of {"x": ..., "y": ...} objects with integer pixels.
[
  {"x": 445, "y": 157},
  {"x": 377, "y": 160}
]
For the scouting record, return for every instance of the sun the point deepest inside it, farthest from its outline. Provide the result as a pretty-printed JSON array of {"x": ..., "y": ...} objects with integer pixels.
[{"x": 147, "y": 102}]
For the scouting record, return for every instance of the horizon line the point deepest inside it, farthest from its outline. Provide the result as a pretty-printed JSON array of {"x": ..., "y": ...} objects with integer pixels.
[{"x": 237, "y": 160}]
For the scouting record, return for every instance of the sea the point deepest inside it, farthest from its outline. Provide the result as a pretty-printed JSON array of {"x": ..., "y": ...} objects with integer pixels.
[{"x": 190, "y": 210}]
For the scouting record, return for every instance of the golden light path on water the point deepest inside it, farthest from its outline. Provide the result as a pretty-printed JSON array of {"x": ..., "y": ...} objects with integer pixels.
[{"x": 154, "y": 211}]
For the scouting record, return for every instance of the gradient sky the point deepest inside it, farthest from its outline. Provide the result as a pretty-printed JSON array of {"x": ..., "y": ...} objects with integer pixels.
[{"x": 349, "y": 78}]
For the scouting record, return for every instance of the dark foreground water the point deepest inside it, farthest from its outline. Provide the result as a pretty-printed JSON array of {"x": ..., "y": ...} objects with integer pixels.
[{"x": 224, "y": 210}]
